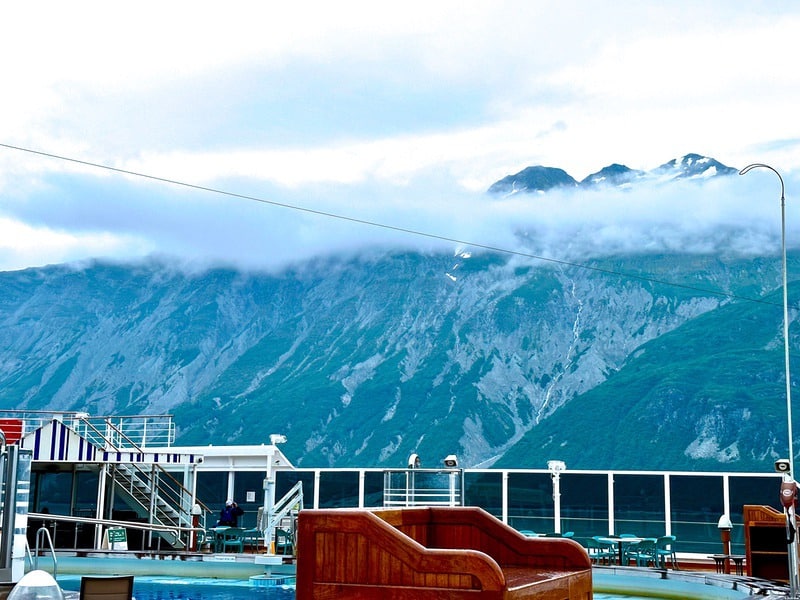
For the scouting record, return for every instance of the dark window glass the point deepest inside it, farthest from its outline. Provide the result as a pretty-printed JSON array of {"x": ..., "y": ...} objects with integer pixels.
[
  {"x": 639, "y": 505},
  {"x": 252, "y": 482},
  {"x": 86, "y": 483},
  {"x": 212, "y": 490},
  {"x": 584, "y": 504},
  {"x": 697, "y": 504},
  {"x": 530, "y": 502},
  {"x": 338, "y": 489},
  {"x": 54, "y": 492},
  {"x": 484, "y": 490},
  {"x": 285, "y": 480},
  {"x": 373, "y": 489}
]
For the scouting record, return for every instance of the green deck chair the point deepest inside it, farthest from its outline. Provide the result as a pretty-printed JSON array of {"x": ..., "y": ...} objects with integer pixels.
[{"x": 665, "y": 550}]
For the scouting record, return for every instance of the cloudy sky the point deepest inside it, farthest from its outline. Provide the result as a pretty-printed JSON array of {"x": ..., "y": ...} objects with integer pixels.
[{"x": 400, "y": 114}]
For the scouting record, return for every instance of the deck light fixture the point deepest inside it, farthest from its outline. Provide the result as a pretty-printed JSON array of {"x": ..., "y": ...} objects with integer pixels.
[
  {"x": 724, "y": 525},
  {"x": 793, "y": 554},
  {"x": 276, "y": 438},
  {"x": 555, "y": 467},
  {"x": 413, "y": 461},
  {"x": 451, "y": 461}
]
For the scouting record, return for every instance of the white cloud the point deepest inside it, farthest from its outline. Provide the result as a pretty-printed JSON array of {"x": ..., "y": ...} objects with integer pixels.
[
  {"x": 22, "y": 245},
  {"x": 402, "y": 114}
]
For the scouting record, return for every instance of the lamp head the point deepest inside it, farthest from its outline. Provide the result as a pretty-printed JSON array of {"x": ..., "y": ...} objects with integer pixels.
[
  {"x": 450, "y": 461},
  {"x": 782, "y": 465},
  {"x": 749, "y": 168},
  {"x": 413, "y": 461}
]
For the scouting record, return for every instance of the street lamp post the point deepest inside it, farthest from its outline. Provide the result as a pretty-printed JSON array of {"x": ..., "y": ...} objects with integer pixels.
[{"x": 793, "y": 554}]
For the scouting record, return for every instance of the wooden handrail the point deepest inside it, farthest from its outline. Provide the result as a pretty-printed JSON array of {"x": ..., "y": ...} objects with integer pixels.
[{"x": 422, "y": 552}]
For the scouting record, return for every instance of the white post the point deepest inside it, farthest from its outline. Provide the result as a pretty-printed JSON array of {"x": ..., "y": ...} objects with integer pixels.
[
  {"x": 611, "y": 524},
  {"x": 555, "y": 467},
  {"x": 504, "y": 494},
  {"x": 101, "y": 504}
]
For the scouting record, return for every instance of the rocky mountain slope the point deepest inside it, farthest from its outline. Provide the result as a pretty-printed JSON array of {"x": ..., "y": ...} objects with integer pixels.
[{"x": 363, "y": 361}]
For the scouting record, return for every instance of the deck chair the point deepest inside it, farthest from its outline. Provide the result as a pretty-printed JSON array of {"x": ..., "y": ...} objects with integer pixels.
[
  {"x": 598, "y": 552},
  {"x": 644, "y": 553},
  {"x": 665, "y": 550},
  {"x": 283, "y": 542},
  {"x": 253, "y": 537},
  {"x": 233, "y": 538},
  {"x": 107, "y": 588}
]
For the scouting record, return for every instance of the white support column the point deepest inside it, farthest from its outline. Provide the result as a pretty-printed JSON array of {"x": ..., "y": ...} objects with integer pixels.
[
  {"x": 667, "y": 506},
  {"x": 611, "y": 523},
  {"x": 231, "y": 481},
  {"x": 101, "y": 504},
  {"x": 726, "y": 495},
  {"x": 504, "y": 495}
]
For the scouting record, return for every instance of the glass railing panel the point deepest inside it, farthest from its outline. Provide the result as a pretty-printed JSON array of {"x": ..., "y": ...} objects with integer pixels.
[
  {"x": 530, "y": 501},
  {"x": 338, "y": 489},
  {"x": 584, "y": 503},
  {"x": 484, "y": 489},
  {"x": 639, "y": 506}
]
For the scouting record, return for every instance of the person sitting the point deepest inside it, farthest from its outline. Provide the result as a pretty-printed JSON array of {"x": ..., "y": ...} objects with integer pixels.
[{"x": 229, "y": 516}]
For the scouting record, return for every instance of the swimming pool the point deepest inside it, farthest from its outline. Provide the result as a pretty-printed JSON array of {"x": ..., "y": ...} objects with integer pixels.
[
  {"x": 192, "y": 588},
  {"x": 608, "y": 586}
]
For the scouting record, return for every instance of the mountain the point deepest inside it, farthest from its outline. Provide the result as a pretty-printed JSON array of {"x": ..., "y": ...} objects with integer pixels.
[
  {"x": 613, "y": 175},
  {"x": 693, "y": 166},
  {"x": 533, "y": 179},
  {"x": 541, "y": 179},
  {"x": 635, "y": 361}
]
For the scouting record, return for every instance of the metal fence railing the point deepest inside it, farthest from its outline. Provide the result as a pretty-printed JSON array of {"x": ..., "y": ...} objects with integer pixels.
[{"x": 119, "y": 432}]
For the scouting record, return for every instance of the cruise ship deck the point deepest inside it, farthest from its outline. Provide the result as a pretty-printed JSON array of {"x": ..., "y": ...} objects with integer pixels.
[{"x": 83, "y": 471}]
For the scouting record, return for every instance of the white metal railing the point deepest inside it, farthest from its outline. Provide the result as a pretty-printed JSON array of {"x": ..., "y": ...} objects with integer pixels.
[
  {"x": 42, "y": 533},
  {"x": 171, "y": 529},
  {"x": 292, "y": 500},
  {"x": 127, "y": 431},
  {"x": 683, "y": 503},
  {"x": 423, "y": 487}
]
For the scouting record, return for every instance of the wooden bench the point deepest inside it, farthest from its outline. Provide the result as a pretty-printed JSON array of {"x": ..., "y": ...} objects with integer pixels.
[{"x": 432, "y": 552}]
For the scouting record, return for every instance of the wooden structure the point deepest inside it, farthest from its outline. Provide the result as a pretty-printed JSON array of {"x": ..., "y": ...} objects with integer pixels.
[
  {"x": 765, "y": 543},
  {"x": 432, "y": 553}
]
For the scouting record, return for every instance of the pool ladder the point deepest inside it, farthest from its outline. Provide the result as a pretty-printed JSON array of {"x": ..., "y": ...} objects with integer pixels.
[{"x": 43, "y": 532}]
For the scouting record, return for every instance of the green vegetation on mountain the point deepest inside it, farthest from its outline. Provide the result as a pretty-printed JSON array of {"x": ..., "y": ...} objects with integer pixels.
[{"x": 632, "y": 362}]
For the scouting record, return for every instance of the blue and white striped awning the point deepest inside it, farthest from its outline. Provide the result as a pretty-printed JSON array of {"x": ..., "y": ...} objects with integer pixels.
[{"x": 55, "y": 442}]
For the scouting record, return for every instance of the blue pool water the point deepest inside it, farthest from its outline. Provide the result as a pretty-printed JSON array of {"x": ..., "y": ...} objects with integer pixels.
[{"x": 195, "y": 588}]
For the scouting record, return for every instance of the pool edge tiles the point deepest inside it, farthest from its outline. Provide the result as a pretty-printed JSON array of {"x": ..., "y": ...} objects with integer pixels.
[{"x": 272, "y": 580}]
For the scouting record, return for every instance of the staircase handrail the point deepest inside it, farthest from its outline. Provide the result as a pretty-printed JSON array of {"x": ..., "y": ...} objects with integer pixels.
[
  {"x": 162, "y": 471},
  {"x": 285, "y": 505},
  {"x": 173, "y": 494},
  {"x": 172, "y": 529},
  {"x": 172, "y": 497},
  {"x": 126, "y": 479}
]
